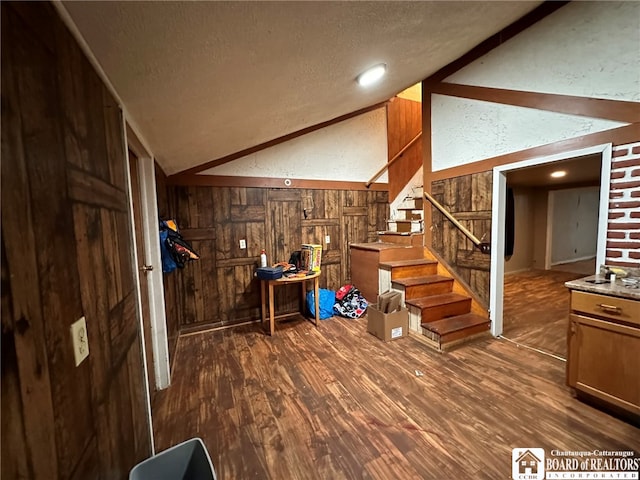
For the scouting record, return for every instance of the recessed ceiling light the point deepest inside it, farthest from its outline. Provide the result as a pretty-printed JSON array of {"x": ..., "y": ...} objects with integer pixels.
[
  {"x": 558, "y": 174},
  {"x": 372, "y": 75}
]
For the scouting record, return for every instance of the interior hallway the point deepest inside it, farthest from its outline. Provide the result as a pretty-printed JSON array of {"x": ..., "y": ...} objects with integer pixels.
[
  {"x": 336, "y": 402},
  {"x": 536, "y": 308}
]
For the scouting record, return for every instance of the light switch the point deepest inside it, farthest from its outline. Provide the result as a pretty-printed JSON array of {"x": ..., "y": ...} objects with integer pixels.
[
  {"x": 80, "y": 340},
  {"x": 243, "y": 244}
]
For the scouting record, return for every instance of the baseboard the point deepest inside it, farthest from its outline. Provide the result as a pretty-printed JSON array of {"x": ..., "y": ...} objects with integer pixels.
[
  {"x": 573, "y": 260},
  {"x": 506, "y": 274}
]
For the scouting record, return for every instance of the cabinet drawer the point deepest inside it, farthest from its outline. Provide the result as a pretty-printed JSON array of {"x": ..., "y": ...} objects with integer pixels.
[{"x": 615, "y": 308}]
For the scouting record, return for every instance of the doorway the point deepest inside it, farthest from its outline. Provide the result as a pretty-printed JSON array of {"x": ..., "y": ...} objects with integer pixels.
[
  {"x": 144, "y": 269},
  {"x": 529, "y": 168},
  {"x": 145, "y": 214}
]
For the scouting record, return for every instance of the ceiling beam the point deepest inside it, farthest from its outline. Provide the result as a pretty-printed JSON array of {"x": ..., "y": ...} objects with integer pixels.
[
  {"x": 616, "y": 110},
  {"x": 534, "y": 16}
]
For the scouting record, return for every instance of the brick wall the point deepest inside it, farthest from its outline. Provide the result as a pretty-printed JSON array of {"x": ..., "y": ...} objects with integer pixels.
[{"x": 623, "y": 232}]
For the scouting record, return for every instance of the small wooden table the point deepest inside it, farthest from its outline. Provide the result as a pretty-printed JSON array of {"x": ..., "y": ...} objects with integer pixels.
[{"x": 266, "y": 286}]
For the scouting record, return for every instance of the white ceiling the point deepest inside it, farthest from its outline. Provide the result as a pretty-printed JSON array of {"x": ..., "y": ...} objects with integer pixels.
[
  {"x": 202, "y": 80},
  {"x": 579, "y": 171}
]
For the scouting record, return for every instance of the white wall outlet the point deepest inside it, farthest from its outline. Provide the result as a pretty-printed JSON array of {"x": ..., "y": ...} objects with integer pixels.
[
  {"x": 327, "y": 239},
  {"x": 80, "y": 340},
  {"x": 243, "y": 244}
]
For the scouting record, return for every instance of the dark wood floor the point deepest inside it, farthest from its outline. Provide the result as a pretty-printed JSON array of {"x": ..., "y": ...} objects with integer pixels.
[
  {"x": 584, "y": 267},
  {"x": 536, "y": 309},
  {"x": 337, "y": 403}
]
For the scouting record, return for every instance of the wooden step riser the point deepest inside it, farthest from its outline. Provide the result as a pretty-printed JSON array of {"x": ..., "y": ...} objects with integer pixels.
[
  {"x": 414, "y": 204},
  {"x": 428, "y": 289},
  {"x": 406, "y": 253},
  {"x": 453, "y": 336},
  {"x": 434, "y": 341},
  {"x": 414, "y": 240},
  {"x": 457, "y": 335},
  {"x": 438, "y": 312},
  {"x": 414, "y": 271}
]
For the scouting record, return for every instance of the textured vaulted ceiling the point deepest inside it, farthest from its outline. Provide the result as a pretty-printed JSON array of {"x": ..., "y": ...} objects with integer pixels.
[{"x": 202, "y": 80}]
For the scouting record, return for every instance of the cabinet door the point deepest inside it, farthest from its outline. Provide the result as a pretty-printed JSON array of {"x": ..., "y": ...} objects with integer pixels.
[{"x": 604, "y": 361}]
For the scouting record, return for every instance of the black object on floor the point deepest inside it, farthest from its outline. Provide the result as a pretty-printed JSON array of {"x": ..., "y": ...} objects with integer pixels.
[{"x": 186, "y": 461}]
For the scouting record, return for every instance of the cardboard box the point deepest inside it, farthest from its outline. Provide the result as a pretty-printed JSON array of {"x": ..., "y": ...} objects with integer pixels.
[
  {"x": 388, "y": 326},
  {"x": 311, "y": 256},
  {"x": 389, "y": 301}
]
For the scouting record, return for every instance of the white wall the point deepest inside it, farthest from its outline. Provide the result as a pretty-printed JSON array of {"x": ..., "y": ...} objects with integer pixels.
[
  {"x": 574, "y": 224},
  {"x": 466, "y": 131},
  {"x": 585, "y": 48},
  {"x": 412, "y": 188},
  {"x": 540, "y": 204},
  {"x": 588, "y": 49},
  {"x": 352, "y": 150},
  {"x": 522, "y": 258}
]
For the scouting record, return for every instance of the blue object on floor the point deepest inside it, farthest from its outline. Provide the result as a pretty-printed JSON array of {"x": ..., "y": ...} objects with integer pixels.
[
  {"x": 186, "y": 461},
  {"x": 327, "y": 299}
]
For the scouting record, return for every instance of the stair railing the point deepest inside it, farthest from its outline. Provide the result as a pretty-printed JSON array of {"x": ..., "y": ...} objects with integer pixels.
[
  {"x": 393, "y": 160},
  {"x": 484, "y": 247}
]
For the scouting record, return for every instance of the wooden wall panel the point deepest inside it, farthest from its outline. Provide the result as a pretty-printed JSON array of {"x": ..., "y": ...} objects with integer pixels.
[
  {"x": 278, "y": 220},
  {"x": 284, "y": 237},
  {"x": 15, "y": 456},
  {"x": 378, "y": 211},
  {"x": 67, "y": 248},
  {"x": 404, "y": 122},
  {"x": 24, "y": 350},
  {"x": 468, "y": 198}
]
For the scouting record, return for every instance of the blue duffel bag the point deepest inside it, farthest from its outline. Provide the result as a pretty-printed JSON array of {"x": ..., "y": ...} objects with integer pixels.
[{"x": 327, "y": 299}]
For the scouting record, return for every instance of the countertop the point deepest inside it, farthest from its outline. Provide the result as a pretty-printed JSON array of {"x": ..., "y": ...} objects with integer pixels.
[{"x": 617, "y": 289}]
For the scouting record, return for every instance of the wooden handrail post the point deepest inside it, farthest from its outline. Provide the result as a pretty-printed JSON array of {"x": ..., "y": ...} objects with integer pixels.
[{"x": 395, "y": 157}]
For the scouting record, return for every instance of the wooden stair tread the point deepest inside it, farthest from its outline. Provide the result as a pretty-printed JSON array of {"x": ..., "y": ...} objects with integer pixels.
[
  {"x": 379, "y": 246},
  {"x": 408, "y": 263},
  {"x": 400, "y": 234},
  {"x": 424, "y": 280},
  {"x": 454, "y": 324},
  {"x": 434, "y": 300}
]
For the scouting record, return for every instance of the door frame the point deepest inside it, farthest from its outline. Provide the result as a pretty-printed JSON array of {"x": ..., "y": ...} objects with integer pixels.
[
  {"x": 149, "y": 210},
  {"x": 496, "y": 294}
]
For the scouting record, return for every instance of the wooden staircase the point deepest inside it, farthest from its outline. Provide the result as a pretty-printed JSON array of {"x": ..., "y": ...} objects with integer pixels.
[
  {"x": 440, "y": 307},
  {"x": 410, "y": 213},
  {"x": 442, "y": 315}
]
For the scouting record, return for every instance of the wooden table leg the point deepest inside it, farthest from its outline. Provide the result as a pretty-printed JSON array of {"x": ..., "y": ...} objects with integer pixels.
[
  {"x": 316, "y": 293},
  {"x": 264, "y": 302},
  {"x": 271, "y": 310}
]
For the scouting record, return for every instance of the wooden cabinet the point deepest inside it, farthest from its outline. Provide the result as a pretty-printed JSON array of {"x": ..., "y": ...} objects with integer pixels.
[{"x": 604, "y": 349}]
